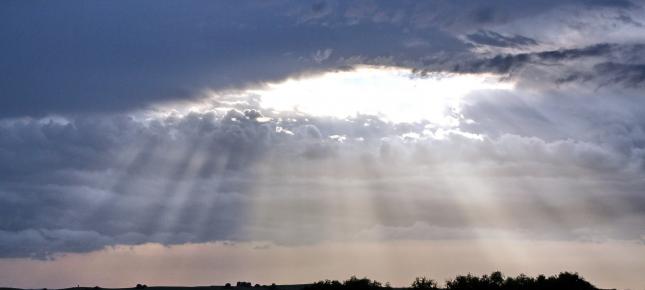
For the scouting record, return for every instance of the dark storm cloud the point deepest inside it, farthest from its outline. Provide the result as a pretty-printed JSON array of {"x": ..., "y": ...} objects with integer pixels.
[
  {"x": 76, "y": 56},
  {"x": 81, "y": 57}
]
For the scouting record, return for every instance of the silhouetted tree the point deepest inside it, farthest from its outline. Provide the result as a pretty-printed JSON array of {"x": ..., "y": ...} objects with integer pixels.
[
  {"x": 325, "y": 285},
  {"x": 468, "y": 282},
  {"x": 227, "y": 285},
  {"x": 423, "y": 283},
  {"x": 364, "y": 283},
  {"x": 571, "y": 281},
  {"x": 497, "y": 279},
  {"x": 352, "y": 283}
]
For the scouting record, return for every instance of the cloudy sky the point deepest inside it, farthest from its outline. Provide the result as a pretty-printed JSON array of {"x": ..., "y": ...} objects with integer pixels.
[{"x": 206, "y": 142}]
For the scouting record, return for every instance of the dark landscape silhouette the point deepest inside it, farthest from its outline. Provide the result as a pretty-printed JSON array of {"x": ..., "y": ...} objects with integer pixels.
[{"x": 495, "y": 281}]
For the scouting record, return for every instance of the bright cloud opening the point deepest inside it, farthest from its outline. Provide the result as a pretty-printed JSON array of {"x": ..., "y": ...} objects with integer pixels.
[{"x": 395, "y": 94}]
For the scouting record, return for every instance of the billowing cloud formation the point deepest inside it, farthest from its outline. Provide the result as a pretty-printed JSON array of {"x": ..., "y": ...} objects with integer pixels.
[
  {"x": 81, "y": 184},
  {"x": 95, "y": 150}
]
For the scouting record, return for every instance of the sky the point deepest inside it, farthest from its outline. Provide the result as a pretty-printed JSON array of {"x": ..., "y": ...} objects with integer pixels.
[{"x": 206, "y": 142}]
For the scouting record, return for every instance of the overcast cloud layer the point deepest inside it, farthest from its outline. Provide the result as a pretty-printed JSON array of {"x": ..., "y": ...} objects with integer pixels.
[{"x": 96, "y": 150}]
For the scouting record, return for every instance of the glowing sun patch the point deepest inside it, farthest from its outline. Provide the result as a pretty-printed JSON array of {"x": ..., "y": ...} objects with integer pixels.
[{"x": 395, "y": 94}]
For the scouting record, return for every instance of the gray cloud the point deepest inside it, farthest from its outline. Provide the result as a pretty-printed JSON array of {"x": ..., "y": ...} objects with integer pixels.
[
  {"x": 632, "y": 75},
  {"x": 49, "y": 242},
  {"x": 495, "y": 39},
  {"x": 510, "y": 63},
  {"x": 600, "y": 65}
]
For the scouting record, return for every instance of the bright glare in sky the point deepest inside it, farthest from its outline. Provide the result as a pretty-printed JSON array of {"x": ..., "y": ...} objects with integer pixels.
[{"x": 395, "y": 94}]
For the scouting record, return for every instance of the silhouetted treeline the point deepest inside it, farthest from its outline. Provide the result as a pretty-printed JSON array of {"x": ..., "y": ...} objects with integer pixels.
[
  {"x": 494, "y": 281},
  {"x": 352, "y": 283},
  {"x": 497, "y": 281}
]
